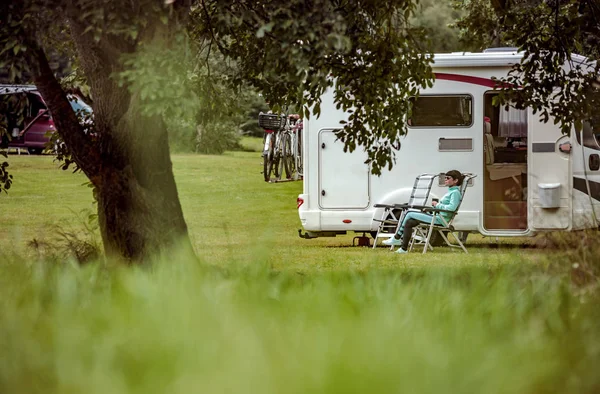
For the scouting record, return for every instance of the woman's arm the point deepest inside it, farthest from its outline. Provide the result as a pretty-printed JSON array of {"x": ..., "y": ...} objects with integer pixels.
[{"x": 452, "y": 204}]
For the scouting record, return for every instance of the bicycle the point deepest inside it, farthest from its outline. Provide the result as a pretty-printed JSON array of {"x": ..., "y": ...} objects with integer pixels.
[
  {"x": 297, "y": 146},
  {"x": 272, "y": 124},
  {"x": 289, "y": 149}
]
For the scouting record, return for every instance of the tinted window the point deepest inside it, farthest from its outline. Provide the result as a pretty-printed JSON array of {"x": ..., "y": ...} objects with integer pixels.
[{"x": 442, "y": 111}]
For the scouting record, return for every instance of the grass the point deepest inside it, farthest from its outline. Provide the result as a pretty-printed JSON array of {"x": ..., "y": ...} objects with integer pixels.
[
  {"x": 232, "y": 215},
  {"x": 261, "y": 310}
]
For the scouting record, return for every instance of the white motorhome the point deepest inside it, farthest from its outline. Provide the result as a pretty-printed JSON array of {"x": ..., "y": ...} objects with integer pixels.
[{"x": 530, "y": 177}]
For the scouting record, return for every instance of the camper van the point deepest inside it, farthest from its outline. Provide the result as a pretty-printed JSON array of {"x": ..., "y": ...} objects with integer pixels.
[
  {"x": 26, "y": 118},
  {"x": 529, "y": 176}
]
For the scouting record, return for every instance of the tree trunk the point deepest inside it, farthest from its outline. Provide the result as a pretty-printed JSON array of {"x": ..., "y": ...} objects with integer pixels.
[
  {"x": 127, "y": 160},
  {"x": 138, "y": 205}
]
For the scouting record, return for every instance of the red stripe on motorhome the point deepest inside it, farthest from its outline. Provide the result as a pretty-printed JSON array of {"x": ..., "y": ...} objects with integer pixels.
[{"x": 466, "y": 79}]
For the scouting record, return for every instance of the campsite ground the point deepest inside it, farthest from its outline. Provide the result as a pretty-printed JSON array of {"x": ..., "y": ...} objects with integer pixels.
[
  {"x": 262, "y": 310},
  {"x": 231, "y": 214}
]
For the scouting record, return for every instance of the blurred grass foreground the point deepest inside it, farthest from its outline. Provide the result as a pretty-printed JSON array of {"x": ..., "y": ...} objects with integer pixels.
[
  {"x": 263, "y": 311},
  {"x": 181, "y": 326}
]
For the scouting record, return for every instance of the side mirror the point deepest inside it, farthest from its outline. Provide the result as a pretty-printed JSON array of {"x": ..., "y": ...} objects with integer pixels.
[{"x": 44, "y": 113}]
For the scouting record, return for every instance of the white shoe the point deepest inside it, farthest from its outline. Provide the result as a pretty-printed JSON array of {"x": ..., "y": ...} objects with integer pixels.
[{"x": 392, "y": 241}]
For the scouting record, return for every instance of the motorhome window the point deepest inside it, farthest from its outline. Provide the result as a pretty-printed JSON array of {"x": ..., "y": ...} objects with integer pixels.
[
  {"x": 442, "y": 111},
  {"x": 591, "y": 137}
]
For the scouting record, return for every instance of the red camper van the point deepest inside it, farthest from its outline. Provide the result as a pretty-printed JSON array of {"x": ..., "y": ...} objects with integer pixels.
[{"x": 26, "y": 117}]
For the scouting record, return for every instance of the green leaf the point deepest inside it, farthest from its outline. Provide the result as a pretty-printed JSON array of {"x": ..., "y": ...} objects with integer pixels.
[{"x": 264, "y": 29}]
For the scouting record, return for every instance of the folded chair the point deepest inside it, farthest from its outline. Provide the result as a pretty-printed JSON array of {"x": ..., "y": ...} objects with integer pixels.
[
  {"x": 425, "y": 230},
  {"x": 394, "y": 213}
]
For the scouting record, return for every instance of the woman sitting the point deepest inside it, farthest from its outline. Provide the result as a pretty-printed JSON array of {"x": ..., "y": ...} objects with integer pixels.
[{"x": 449, "y": 202}]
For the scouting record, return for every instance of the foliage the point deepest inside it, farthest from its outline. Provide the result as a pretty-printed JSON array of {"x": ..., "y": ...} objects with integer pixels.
[
  {"x": 161, "y": 74},
  {"x": 367, "y": 53},
  {"x": 216, "y": 137},
  {"x": 437, "y": 18},
  {"x": 5, "y": 176},
  {"x": 479, "y": 25}
]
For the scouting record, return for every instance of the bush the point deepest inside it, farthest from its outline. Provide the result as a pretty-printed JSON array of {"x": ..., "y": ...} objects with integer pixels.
[
  {"x": 582, "y": 249},
  {"x": 215, "y": 138},
  {"x": 182, "y": 135}
]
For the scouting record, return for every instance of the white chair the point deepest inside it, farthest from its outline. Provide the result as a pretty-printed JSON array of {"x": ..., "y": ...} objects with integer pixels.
[{"x": 394, "y": 213}]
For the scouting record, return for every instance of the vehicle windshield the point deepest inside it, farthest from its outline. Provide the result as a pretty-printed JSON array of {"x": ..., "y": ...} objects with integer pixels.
[{"x": 79, "y": 105}]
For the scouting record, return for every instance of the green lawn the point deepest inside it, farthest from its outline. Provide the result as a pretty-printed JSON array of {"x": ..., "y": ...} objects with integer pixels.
[
  {"x": 232, "y": 215},
  {"x": 263, "y": 311}
]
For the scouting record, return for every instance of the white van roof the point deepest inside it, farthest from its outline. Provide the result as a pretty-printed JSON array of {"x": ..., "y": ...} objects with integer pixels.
[
  {"x": 480, "y": 59},
  {"x": 493, "y": 57}
]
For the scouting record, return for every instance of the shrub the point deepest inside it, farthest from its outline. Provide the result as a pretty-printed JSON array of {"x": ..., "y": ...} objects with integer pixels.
[
  {"x": 582, "y": 249},
  {"x": 215, "y": 138}
]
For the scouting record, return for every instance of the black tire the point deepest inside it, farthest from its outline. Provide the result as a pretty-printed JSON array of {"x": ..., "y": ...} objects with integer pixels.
[
  {"x": 277, "y": 161},
  {"x": 268, "y": 162},
  {"x": 288, "y": 157},
  {"x": 267, "y": 167}
]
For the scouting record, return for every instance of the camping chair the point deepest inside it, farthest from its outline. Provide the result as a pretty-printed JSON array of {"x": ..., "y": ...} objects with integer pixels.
[
  {"x": 394, "y": 213},
  {"x": 425, "y": 230}
]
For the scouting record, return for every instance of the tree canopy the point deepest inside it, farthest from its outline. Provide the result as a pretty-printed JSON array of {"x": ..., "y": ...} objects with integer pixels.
[{"x": 293, "y": 51}]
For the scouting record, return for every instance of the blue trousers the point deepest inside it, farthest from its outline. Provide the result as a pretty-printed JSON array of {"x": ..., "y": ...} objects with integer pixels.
[{"x": 410, "y": 220}]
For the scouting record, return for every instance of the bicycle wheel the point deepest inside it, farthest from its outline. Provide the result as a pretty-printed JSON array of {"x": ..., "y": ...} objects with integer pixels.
[
  {"x": 288, "y": 156},
  {"x": 298, "y": 154},
  {"x": 277, "y": 157},
  {"x": 268, "y": 156}
]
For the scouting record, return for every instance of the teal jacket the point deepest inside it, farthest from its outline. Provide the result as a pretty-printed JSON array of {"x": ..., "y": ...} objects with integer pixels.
[{"x": 449, "y": 202}]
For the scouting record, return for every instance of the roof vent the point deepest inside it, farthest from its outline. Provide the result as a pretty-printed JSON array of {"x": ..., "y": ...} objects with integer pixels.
[{"x": 501, "y": 49}]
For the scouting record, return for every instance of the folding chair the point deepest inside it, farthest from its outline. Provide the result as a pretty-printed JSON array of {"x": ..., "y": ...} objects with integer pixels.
[
  {"x": 425, "y": 230},
  {"x": 394, "y": 213}
]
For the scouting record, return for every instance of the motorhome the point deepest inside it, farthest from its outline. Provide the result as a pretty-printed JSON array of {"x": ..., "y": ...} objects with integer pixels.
[{"x": 529, "y": 176}]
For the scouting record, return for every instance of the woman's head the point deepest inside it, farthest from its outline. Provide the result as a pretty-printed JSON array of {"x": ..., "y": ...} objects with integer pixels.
[{"x": 454, "y": 178}]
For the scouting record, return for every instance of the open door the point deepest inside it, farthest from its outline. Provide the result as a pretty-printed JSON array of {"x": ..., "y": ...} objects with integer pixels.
[
  {"x": 505, "y": 168},
  {"x": 549, "y": 177}
]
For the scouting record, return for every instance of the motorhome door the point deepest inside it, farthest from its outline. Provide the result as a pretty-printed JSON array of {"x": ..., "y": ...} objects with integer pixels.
[
  {"x": 343, "y": 176},
  {"x": 549, "y": 179}
]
